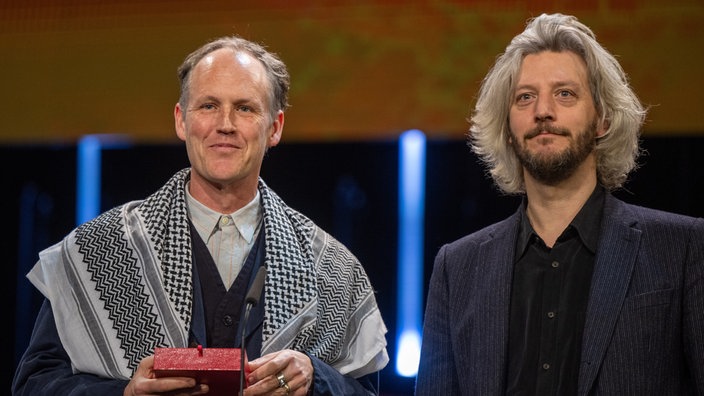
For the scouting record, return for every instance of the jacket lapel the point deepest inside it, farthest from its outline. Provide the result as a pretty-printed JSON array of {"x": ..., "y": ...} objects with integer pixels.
[
  {"x": 616, "y": 255},
  {"x": 492, "y": 282}
]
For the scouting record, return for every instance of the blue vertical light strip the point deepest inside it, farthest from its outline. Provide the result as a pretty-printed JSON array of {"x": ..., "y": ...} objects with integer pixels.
[
  {"x": 411, "y": 204},
  {"x": 89, "y": 171},
  {"x": 88, "y": 178}
]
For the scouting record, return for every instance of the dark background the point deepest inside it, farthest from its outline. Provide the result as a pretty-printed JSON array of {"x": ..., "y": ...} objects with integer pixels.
[{"x": 348, "y": 188}]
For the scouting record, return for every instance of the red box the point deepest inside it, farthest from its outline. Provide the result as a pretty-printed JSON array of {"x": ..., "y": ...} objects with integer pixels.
[{"x": 217, "y": 367}]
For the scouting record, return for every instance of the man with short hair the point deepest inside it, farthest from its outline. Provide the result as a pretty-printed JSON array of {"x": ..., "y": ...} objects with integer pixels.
[{"x": 173, "y": 270}]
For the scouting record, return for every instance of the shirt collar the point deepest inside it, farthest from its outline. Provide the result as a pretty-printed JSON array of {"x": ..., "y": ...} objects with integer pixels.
[
  {"x": 207, "y": 221},
  {"x": 588, "y": 220},
  {"x": 586, "y": 223}
]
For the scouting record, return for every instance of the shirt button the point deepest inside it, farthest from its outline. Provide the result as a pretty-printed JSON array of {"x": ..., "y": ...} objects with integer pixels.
[
  {"x": 555, "y": 264},
  {"x": 546, "y": 366},
  {"x": 551, "y": 314},
  {"x": 227, "y": 320},
  {"x": 225, "y": 220}
]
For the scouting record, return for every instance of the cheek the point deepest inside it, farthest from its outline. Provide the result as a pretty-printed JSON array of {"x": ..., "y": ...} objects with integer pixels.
[
  {"x": 517, "y": 118},
  {"x": 512, "y": 128},
  {"x": 513, "y": 117},
  {"x": 198, "y": 129}
]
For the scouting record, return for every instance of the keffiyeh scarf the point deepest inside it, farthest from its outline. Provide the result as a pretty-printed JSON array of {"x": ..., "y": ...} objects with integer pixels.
[{"x": 121, "y": 285}]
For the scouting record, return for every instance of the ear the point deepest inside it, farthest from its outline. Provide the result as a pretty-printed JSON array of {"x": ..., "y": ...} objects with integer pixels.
[
  {"x": 602, "y": 128},
  {"x": 179, "y": 123},
  {"x": 277, "y": 128}
]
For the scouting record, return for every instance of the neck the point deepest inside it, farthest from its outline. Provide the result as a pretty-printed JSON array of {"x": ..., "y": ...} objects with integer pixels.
[
  {"x": 222, "y": 198},
  {"x": 551, "y": 208}
]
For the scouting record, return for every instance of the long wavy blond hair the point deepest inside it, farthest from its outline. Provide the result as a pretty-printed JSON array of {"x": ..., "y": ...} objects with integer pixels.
[{"x": 616, "y": 151}]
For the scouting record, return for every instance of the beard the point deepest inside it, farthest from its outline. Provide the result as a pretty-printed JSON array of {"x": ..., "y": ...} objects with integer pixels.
[{"x": 553, "y": 168}]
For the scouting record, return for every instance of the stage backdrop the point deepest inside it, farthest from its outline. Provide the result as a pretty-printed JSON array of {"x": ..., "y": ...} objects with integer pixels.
[{"x": 361, "y": 70}]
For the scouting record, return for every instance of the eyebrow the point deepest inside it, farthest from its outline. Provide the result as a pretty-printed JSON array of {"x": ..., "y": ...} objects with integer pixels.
[
  {"x": 206, "y": 98},
  {"x": 562, "y": 83}
]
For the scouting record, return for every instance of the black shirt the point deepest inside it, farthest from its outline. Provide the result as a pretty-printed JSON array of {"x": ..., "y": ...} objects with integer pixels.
[{"x": 549, "y": 298}]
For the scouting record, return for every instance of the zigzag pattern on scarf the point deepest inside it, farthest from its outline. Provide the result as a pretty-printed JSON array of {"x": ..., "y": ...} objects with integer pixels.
[
  {"x": 342, "y": 290},
  {"x": 118, "y": 283},
  {"x": 166, "y": 218},
  {"x": 290, "y": 240},
  {"x": 120, "y": 260}
]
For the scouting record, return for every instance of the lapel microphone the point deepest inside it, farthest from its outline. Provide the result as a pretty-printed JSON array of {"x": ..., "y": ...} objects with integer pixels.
[{"x": 252, "y": 299}]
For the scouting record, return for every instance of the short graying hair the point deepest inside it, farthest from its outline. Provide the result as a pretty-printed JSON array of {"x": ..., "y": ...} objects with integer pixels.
[
  {"x": 616, "y": 103},
  {"x": 277, "y": 74}
]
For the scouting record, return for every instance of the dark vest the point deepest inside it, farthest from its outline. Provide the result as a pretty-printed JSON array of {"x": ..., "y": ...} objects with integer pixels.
[{"x": 218, "y": 313}]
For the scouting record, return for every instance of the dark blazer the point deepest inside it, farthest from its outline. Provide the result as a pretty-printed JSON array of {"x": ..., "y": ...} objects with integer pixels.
[{"x": 644, "y": 330}]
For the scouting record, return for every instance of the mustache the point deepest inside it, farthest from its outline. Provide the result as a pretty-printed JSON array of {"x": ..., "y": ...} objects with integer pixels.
[{"x": 543, "y": 127}]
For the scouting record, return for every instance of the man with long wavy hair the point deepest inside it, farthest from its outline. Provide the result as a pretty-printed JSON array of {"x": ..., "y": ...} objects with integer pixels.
[{"x": 578, "y": 292}]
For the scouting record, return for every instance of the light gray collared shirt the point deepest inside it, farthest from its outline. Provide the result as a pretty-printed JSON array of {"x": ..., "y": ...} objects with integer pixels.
[{"x": 229, "y": 237}]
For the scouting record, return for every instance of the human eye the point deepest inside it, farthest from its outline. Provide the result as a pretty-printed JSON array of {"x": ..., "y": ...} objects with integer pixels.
[
  {"x": 244, "y": 108},
  {"x": 523, "y": 97},
  {"x": 566, "y": 96},
  {"x": 205, "y": 107}
]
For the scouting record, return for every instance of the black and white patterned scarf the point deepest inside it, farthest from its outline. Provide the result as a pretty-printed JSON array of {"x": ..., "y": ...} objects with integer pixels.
[{"x": 120, "y": 285}]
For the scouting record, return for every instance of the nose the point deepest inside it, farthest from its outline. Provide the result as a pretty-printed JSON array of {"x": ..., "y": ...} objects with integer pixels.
[
  {"x": 544, "y": 108},
  {"x": 226, "y": 121}
]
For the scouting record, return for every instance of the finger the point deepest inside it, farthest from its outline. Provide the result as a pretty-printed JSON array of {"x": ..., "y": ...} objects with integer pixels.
[
  {"x": 256, "y": 363},
  {"x": 145, "y": 367},
  {"x": 179, "y": 384},
  {"x": 284, "y": 385},
  {"x": 266, "y": 366},
  {"x": 197, "y": 390},
  {"x": 298, "y": 371},
  {"x": 298, "y": 383},
  {"x": 268, "y": 385}
]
